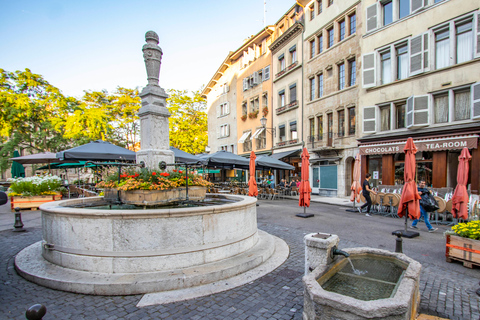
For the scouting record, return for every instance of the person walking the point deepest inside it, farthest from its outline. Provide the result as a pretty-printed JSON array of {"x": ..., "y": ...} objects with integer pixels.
[
  {"x": 422, "y": 190},
  {"x": 366, "y": 194}
]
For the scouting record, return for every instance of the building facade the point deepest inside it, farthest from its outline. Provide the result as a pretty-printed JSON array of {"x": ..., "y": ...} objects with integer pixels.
[
  {"x": 331, "y": 54},
  {"x": 421, "y": 73},
  {"x": 287, "y": 99}
]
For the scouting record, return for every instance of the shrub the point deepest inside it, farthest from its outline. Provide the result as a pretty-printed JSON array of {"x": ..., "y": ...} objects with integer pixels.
[{"x": 35, "y": 186}]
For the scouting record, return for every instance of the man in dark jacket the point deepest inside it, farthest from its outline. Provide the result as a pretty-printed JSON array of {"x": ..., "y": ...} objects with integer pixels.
[{"x": 422, "y": 190}]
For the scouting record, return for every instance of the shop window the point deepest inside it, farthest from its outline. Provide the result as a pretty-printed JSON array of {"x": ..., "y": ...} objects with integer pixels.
[
  {"x": 440, "y": 105},
  {"x": 462, "y": 104},
  {"x": 341, "y": 123},
  {"x": 375, "y": 169},
  {"x": 351, "y": 121},
  {"x": 385, "y": 118},
  {"x": 400, "y": 115}
]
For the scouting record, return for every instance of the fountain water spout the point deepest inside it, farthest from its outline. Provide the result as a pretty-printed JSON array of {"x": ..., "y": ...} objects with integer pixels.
[{"x": 335, "y": 252}]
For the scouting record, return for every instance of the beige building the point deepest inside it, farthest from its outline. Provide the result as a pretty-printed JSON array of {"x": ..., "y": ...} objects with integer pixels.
[
  {"x": 287, "y": 99},
  {"x": 421, "y": 79},
  {"x": 331, "y": 51}
]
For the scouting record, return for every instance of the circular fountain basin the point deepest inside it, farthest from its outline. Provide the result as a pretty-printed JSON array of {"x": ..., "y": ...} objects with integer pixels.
[
  {"x": 125, "y": 251},
  {"x": 384, "y": 285}
]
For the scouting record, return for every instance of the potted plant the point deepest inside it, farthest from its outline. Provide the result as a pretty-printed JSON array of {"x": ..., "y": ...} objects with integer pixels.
[
  {"x": 253, "y": 114},
  {"x": 463, "y": 243},
  {"x": 146, "y": 187},
  {"x": 31, "y": 192},
  {"x": 265, "y": 111},
  {"x": 244, "y": 117}
]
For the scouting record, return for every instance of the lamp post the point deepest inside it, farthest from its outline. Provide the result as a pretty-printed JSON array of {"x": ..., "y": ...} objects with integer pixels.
[{"x": 263, "y": 122}]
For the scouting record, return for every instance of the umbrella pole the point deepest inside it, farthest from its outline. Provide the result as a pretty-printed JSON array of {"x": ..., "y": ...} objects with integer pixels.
[{"x": 406, "y": 218}]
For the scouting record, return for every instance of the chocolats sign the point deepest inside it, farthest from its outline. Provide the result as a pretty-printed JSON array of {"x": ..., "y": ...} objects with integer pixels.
[{"x": 422, "y": 145}]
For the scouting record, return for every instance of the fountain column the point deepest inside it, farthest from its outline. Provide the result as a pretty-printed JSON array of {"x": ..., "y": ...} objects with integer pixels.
[{"x": 154, "y": 128}]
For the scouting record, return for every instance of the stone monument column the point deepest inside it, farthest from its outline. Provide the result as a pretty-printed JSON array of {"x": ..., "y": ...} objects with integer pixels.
[{"x": 154, "y": 129}]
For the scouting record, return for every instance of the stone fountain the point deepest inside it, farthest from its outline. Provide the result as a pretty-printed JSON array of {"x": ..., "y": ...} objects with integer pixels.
[{"x": 192, "y": 250}]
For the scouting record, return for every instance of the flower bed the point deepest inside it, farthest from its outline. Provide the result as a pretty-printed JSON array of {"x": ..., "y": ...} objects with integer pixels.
[
  {"x": 152, "y": 187},
  {"x": 463, "y": 244},
  {"x": 31, "y": 192}
]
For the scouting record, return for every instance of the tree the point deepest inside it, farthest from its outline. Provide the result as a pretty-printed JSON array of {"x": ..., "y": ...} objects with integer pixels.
[
  {"x": 188, "y": 122},
  {"x": 29, "y": 107}
]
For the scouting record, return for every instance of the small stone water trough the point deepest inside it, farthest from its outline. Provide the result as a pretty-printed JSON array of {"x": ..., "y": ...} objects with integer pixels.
[{"x": 369, "y": 284}]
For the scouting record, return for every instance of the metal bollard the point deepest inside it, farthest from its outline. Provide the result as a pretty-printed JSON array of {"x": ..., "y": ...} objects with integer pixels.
[
  {"x": 36, "y": 312},
  {"x": 18, "y": 221},
  {"x": 398, "y": 242}
]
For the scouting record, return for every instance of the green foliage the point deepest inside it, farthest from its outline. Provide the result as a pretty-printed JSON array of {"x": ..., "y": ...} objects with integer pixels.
[
  {"x": 35, "y": 186},
  {"x": 29, "y": 107},
  {"x": 188, "y": 122}
]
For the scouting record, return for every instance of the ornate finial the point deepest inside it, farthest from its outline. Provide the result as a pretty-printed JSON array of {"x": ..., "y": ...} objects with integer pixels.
[{"x": 152, "y": 54}]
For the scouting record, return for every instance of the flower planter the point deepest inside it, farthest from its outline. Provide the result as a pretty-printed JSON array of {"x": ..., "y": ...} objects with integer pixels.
[
  {"x": 463, "y": 249},
  {"x": 32, "y": 202},
  {"x": 156, "y": 197}
]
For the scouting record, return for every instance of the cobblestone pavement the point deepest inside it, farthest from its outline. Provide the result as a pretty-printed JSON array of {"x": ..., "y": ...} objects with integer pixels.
[{"x": 447, "y": 290}]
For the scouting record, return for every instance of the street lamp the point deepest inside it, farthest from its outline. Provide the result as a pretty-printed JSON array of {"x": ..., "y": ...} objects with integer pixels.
[{"x": 263, "y": 122}]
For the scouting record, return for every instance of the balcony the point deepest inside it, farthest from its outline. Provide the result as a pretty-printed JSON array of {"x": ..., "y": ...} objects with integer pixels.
[
  {"x": 287, "y": 69},
  {"x": 327, "y": 140},
  {"x": 288, "y": 107},
  {"x": 286, "y": 143}
]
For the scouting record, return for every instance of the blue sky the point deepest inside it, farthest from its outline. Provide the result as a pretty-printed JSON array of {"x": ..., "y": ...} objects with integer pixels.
[{"x": 95, "y": 45}]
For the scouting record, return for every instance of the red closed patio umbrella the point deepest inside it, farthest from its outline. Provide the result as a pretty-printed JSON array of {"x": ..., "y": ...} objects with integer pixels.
[
  {"x": 356, "y": 186},
  {"x": 305, "y": 189},
  {"x": 409, "y": 205},
  {"x": 460, "y": 196},
  {"x": 252, "y": 183}
]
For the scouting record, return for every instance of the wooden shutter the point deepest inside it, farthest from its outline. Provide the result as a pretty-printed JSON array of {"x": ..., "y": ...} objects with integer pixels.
[
  {"x": 368, "y": 65},
  {"x": 418, "y": 111},
  {"x": 417, "y": 5},
  {"x": 372, "y": 17},
  {"x": 475, "y": 100},
  {"x": 245, "y": 84},
  {"x": 369, "y": 119},
  {"x": 477, "y": 42},
  {"x": 419, "y": 46},
  {"x": 426, "y": 51},
  {"x": 227, "y": 130},
  {"x": 266, "y": 73},
  {"x": 255, "y": 78}
]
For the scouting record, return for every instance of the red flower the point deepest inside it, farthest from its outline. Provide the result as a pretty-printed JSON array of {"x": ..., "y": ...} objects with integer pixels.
[
  {"x": 180, "y": 171},
  {"x": 154, "y": 173},
  {"x": 175, "y": 170},
  {"x": 136, "y": 174},
  {"x": 166, "y": 174}
]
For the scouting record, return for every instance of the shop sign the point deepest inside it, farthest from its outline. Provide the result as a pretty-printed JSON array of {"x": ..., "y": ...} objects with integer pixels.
[{"x": 453, "y": 143}]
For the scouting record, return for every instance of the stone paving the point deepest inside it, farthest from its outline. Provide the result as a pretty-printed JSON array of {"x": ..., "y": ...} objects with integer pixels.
[{"x": 278, "y": 295}]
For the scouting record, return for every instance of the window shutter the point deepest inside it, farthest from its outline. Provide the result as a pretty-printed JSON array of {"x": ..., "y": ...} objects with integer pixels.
[
  {"x": 372, "y": 14},
  {"x": 219, "y": 111},
  {"x": 369, "y": 119},
  {"x": 266, "y": 72},
  {"x": 245, "y": 84},
  {"x": 409, "y": 112},
  {"x": 476, "y": 100},
  {"x": 416, "y": 54},
  {"x": 255, "y": 78},
  {"x": 227, "y": 88},
  {"x": 417, "y": 5},
  {"x": 368, "y": 66},
  {"x": 227, "y": 107},
  {"x": 426, "y": 51},
  {"x": 227, "y": 129},
  {"x": 477, "y": 42},
  {"x": 418, "y": 111}
]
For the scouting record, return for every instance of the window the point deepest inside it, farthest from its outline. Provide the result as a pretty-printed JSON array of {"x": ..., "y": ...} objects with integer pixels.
[
  {"x": 387, "y": 9},
  {"x": 319, "y": 6},
  {"x": 281, "y": 60},
  {"x": 400, "y": 115},
  {"x": 266, "y": 73},
  {"x": 404, "y": 8},
  {"x": 252, "y": 106},
  {"x": 320, "y": 127},
  {"x": 353, "y": 23},
  {"x": 320, "y": 85},
  {"x": 385, "y": 118},
  {"x": 440, "y": 108},
  {"x": 244, "y": 108},
  {"x": 281, "y": 130},
  {"x": 293, "y": 54},
  {"x": 442, "y": 49},
  {"x": 464, "y": 40},
  {"x": 281, "y": 96},
  {"x": 224, "y": 109},
  {"x": 293, "y": 93},
  {"x": 224, "y": 130},
  {"x": 320, "y": 44},
  {"x": 262, "y": 140},
  {"x": 341, "y": 76},
  {"x": 342, "y": 30},
  {"x": 312, "y": 129},
  {"x": 312, "y": 11},
  {"x": 462, "y": 104},
  {"x": 232, "y": 147},
  {"x": 293, "y": 130},
  {"x": 265, "y": 100},
  {"x": 341, "y": 123},
  {"x": 402, "y": 62},
  {"x": 312, "y": 89},
  {"x": 330, "y": 37},
  {"x": 256, "y": 103},
  {"x": 386, "y": 67},
  {"x": 351, "y": 121},
  {"x": 352, "y": 72},
  {"x": 312, "y": 48},
  {"x": 330, "y": 2},
  {"x": 330, "y": 127}
]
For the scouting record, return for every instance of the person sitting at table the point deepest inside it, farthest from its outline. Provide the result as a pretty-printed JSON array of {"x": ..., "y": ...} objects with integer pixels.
[
  {"x": 282, "y": 183},
  {"x": 298, "y": 183}
]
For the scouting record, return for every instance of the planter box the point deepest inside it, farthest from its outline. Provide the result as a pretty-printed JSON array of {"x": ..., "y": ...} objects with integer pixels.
[
  {"x": 156, "y": 197},
  {"x": 463, "y": 249},
  {"x": 32, "y": 202}
]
